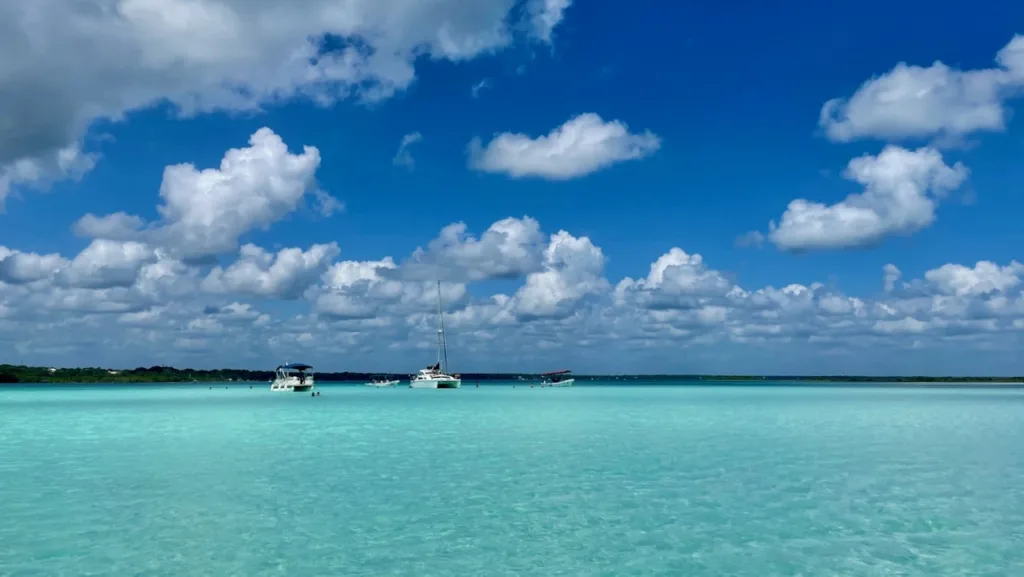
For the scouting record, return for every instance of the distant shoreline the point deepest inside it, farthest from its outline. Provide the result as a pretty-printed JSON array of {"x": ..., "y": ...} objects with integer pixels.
[{"x": 19, "y": 374}]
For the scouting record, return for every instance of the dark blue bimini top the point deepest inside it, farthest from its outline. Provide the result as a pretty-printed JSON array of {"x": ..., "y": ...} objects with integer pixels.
[{"x": 296, "y": 366}]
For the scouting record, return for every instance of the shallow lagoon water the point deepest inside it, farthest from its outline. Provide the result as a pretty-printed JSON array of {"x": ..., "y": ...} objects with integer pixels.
[{"x": 614, "y": 480}]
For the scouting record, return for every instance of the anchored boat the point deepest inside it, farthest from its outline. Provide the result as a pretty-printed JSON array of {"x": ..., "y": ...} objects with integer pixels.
[
  {"x": 292, "y": 378},
  {"x": 436, "y": 376},
  {"x": 557, "y": 379}
]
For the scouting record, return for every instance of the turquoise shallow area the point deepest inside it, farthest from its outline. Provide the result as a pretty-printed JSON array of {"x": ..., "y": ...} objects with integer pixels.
[{"x": 743, "y": 481}]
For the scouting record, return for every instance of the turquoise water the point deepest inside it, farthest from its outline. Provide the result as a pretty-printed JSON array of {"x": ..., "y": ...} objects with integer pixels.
[{"x": 680, "y": 481}]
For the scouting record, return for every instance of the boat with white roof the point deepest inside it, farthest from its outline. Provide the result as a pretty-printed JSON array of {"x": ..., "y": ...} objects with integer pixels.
[
  {"x": 292, "y": 378},
  {"x": 561, "y": 378}
]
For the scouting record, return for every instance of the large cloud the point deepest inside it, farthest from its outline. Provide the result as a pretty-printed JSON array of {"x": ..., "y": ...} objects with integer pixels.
[
  {"x": 205, "y": 212},
  {"x": 921, "y": 102},
  {"x": 66, "y": 63},
  {"x": 901, "y": 191}
]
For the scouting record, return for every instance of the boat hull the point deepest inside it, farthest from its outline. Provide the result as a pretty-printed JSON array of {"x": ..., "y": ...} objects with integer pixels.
[
  {"x": 290, "y": 389},
  {"x": 565, "y": 383},
  {"x": 435, "y": 383},
  {"x": 291, "y": 386}
]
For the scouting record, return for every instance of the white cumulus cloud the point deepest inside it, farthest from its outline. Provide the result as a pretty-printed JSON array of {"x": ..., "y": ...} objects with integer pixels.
[
  {"x": 206, "y": 211},
  {"x": 584, "y": 144},
  {"x": 901, "y": 191},
  {"x": 573, "y": 268},
  {"x": 984, "y": 278},
  {"x": 19, "y": 267},
  {"x": 509, "y": 248},
  {"x": 285, "y": 275},
  {"x": 108, "y": 263},
  {"x": 921, "y": 102}
]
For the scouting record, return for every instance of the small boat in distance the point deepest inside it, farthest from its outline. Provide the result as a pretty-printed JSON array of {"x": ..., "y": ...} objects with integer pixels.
[
  {"x": 292, "y": 378},
  {"x": 380, "y": 384},
  {"x": 557, "y": 379},
  {"x": 436, "y": 376}
]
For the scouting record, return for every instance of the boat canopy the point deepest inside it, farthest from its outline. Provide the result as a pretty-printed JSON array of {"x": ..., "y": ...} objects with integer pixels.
[
  {"x": 562, "y": 372},
  {"x": 296, "y": 367}
]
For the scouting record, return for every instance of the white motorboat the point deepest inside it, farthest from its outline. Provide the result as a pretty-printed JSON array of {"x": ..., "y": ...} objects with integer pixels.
[
  {"x": 436, "y": 376},
  {"x": 557, "y": 379},
  {"x": 292, "y": 378},
  {"x": 382, "y": 383}
]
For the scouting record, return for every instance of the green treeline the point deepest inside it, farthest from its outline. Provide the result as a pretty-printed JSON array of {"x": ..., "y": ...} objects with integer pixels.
[
  {"x": 159, "y": 374},
  {"x": 156, "y": 374}
]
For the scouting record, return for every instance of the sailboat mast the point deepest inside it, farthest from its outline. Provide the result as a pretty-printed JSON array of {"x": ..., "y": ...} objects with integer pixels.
[{"x": 442, "y": 342}]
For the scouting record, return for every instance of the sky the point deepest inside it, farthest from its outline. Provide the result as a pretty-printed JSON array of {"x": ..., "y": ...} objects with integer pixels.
[{"x": 608, "y": 187}]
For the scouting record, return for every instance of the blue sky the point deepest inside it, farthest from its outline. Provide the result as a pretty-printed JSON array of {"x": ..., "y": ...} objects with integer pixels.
[{"x": 579, "y": 143}]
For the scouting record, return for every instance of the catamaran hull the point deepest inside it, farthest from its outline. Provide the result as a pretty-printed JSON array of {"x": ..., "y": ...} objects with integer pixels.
[{"x": 435, "y": 384}]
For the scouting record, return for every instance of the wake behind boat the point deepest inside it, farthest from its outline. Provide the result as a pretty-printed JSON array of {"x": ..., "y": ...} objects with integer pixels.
[
  {"x": 557, "y": 379},
  {"x": 436, "y": 376},
  {"x": 292, "y": 378}
]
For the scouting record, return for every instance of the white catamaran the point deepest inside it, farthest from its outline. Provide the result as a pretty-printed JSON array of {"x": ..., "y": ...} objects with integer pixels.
[
  {"x": 436, "y": 376},
  {"x": 292, "y": 378}
]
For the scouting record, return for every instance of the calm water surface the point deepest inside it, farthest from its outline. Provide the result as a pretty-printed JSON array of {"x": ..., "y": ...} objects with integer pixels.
[{"x": 498, "y": 481}]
